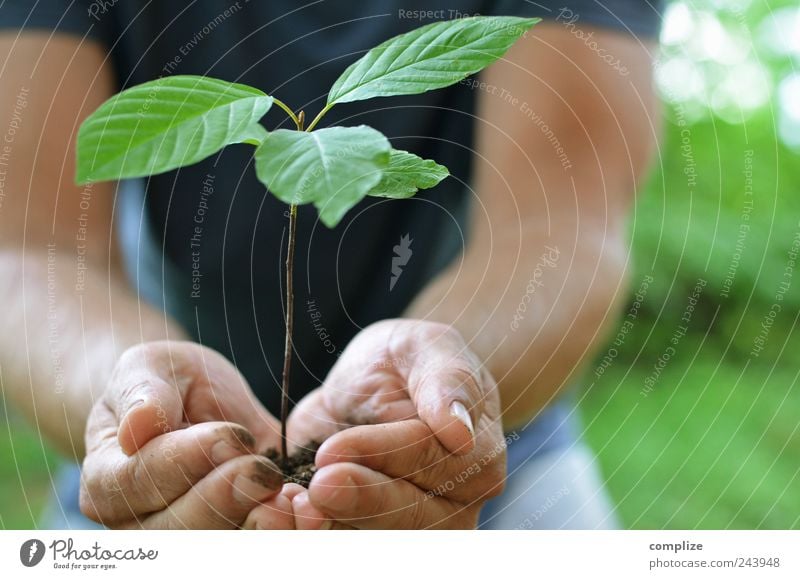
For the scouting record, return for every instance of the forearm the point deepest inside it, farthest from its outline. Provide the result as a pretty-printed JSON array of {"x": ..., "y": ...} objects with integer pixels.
[
  {"x": 555, "y": 171},
  {"x": 63, "y": 334},
  {"x": 532, "y": 319}
]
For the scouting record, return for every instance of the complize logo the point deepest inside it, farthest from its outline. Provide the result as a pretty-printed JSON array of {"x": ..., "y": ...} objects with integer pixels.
[
  {"x": 69, "y": 556},
  {"x": 31, "y": 552}
]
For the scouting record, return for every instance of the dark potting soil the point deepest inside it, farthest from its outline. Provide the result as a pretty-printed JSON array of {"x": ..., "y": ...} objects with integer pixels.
[{"x": 299, "y": 467}]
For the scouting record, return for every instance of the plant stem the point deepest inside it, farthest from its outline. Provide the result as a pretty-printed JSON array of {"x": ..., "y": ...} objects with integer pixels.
[
  {"x": 288, "y": 111},
  {"x": 318, "y": 118},
  {"x": 287, "y": 351}
]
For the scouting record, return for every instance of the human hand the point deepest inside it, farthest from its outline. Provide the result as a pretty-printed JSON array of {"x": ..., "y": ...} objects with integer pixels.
[
  {"x": 170, "y": 445},
  {"x": 396, "y": 413}
]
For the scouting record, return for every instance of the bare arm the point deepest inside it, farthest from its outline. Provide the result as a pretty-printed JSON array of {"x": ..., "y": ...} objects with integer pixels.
[
  {"x": 166, "y": 430},
  {"x": 67, "y": 311},
  {"x": 562, "y": 140}
]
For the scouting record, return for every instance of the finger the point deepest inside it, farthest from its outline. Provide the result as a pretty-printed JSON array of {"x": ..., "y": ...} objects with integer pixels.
[
  {"x": 158, "y": 386},
  {"x": 275, "y": 514},
  {"x": 309, "y": 518},
  {"x": 400, "y": 369},
  {"x": 220, "y": 392},
  {"x": 365, "y": 499},
  {"x": 410, "y": 451},
  {"x": 311, "y": 421},
  {"x": 291, "y": 490},
  {"x": 143, "y": 403},
  {"x": 447, "y": 384},
  {"x": 116, "y": 487},
  {"x": 223, "y": 499}
]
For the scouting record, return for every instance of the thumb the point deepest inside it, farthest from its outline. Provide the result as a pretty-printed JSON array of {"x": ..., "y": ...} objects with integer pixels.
[
  {"x": 446, "y": 383},
  {"x": 144, "y": 403}
]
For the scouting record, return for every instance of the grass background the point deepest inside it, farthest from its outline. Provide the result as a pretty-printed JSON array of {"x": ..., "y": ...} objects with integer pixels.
[
  {"x": 715, "y": 442},
  {"x": 25, "y": 472}
]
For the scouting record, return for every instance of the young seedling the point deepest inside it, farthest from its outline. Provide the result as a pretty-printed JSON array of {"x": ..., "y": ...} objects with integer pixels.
[{"x": 176, "y": 121}]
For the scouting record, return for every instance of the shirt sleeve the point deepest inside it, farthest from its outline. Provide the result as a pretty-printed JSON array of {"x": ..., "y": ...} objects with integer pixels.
[
  {"x": 641, "y": 18},
  {"x": 84, "y": 18}
]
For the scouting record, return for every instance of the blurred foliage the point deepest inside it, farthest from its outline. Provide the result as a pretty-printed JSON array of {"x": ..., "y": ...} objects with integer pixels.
[
  {"x": 700, "y": 429},
  {"x": 740, "y": 245},
  {"x": 713, "y": 446},
  {"x": 694, "y": 218},
  {"x": 26, "y": 469}
]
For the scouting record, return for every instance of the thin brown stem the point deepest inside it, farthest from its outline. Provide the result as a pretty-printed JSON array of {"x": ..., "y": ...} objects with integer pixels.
[{"x": 287, "y": 351}]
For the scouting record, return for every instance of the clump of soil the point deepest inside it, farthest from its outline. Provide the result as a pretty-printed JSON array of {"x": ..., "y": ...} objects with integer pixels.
[{"x": 299, "y": 467}]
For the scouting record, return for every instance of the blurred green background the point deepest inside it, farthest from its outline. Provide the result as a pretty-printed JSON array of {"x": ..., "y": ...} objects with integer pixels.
[
  {"x": 701, "y": 430},
  {"x": 692, "y": 408}
]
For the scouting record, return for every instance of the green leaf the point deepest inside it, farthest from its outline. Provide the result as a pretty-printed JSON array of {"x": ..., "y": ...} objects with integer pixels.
[
  {"x": 165, "y": 124},
  {"x": 430, "y": 57},
  {"x": 253, "y": 135},
  {"x": 406, "y": 174},
  {"x": 332, "y": 168}
]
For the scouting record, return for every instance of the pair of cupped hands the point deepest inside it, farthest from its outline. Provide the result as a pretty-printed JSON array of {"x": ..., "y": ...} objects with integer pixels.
[{"x": 408, "y": 418}]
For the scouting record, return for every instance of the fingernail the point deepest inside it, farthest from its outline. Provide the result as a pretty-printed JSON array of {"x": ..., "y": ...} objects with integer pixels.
[
  {"x": 459, "y": 411},
  {"x": 244, "y": 438},
  {"x": 326, "y": 526},
  {"x": 258, "y": 485},
  {"x": 233, "y": 442}
]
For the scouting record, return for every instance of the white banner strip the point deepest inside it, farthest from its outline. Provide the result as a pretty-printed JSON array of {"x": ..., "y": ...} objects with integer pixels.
[{"x": 400, "y": 554}]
